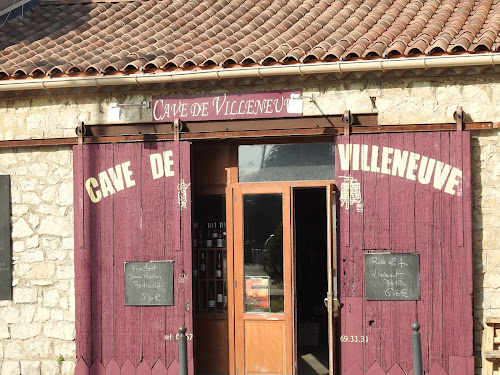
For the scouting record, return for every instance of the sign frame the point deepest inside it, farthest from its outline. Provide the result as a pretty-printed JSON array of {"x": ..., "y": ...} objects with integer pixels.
[
  {"x": 392, "y": 276},
  {"x": 143, "y": 278},
  {"x": 227, "y": 106}
]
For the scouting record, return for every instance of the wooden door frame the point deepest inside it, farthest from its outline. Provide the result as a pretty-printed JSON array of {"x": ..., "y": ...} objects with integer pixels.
[
  {"x": 238, "y": 313},
  {"x": 285, "y": 188}
]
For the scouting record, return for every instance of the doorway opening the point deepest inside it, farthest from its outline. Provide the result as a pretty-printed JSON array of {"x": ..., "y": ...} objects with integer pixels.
[{"x": 311, "y": 283}]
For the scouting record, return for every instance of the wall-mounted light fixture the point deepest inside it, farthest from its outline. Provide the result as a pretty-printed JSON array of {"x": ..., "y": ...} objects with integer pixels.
[
  {"x": 296, "y": 102},
  {"x": 115, "y": 109}
]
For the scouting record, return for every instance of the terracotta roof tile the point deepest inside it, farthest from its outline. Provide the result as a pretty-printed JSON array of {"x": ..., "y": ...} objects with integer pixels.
[{"x": 155, "y": 34}]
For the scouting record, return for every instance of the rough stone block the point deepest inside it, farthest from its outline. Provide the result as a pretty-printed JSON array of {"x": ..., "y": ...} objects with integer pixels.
[
  {"x": 32, "y": 242},
  {"x": 25, "y": 331},
  {"x": 43, "y": 271},
  {"x": 55, "y": 226},
  {"x": 27, "y": 313},
  {"x": 25, "y": 295},
  {"x": 32, "y": 256},
  {"x": 50, "y": 298},
  {"x": 30, "y": 367},
  {"x": 60, "y": 330},
  {"x": 65, "y": 272},
  {"x": 50, "y": 368},
  {"x": 37, "y": 349},
  {"x": 68, "y": 368},
  {"x": 11, "y": 368},
  {"x": 10, "y": 314},
  {"x": 4, "y": 331},
  {"x": 65, "y": 349},
  {"x": 14, "y": 350},
  {"x": 21, "y": 229}
]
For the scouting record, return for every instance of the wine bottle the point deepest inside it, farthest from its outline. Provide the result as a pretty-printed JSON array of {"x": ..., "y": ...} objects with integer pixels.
[
  {"x": 219, "y": 296},
  {"x": 195, "y": 264},
  {"x": 211, "y": 297},
  {"x": 219, "y": 236},
  {"x": 218, "y": 270},
  {"x": 224, "y": 265},
  {"x": 225, "y": 296},
  {"x": 195, "y": 235},
  {"x": 224, "y": 234},
  {"x": 202, "y": 264},
  {"x": 215, "y": 234},
  {"x": 208, "y": 236}
]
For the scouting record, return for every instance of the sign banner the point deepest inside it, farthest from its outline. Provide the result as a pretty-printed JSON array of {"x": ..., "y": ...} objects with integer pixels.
[{"x": 227, "y": 106}]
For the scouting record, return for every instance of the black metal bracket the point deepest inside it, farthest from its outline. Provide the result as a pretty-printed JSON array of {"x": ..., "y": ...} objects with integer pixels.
[
  {"x": 80, "y": 132},
  {"x": 347, "y": 120},
  {"x": 177, "y": 127},
  {"x": 459, "y": 118}
]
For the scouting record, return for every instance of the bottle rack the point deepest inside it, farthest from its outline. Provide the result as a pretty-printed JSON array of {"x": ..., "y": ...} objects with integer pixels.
[
  {"x": 210, "y": 282},
  {"x": 209, "y": 255}
]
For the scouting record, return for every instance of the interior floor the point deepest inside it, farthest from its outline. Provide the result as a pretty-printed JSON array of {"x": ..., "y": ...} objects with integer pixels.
[{"x": 311, "y": 280}]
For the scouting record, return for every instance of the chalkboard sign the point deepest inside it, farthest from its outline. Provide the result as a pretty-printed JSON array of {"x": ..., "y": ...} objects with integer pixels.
[
  {"x": 392, "y": 276},
  {"x": 5, "y": 240},
  {"x": 149, "y": 283}
]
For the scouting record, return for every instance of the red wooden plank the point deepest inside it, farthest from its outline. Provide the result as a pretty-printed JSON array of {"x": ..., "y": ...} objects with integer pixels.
[
  {"x": 376, "y": 205},
  {"x": 83, "y": 321},
  {"x": 128, "y": 368},
  {"x": 112, "y": 368},
  {"x": 375, "y": 193},
  {"x": 461, "y": 365},
  {"x": 143, "y": 368},
  {"x": 402, "y": 193},
  {"x": 395, "y": 370},
  {"x": 437, "y": 370},
  {"x": 375, "y": 369},
  {"x": 352, "y": 325},
  {"x": 106, "y": 269},
  {"x": 427, "y": 215},
  {"x": 175, "y": 315},
  {"x": 127, "y": 212},
  {"x": 97, "y": 369},
  {"x": 343, "y": 168},
  {"x": 152, "y": 239},
  {"x": 159, "y": 369},
  {"x": 81, "y": 368},
  {"x": 173, "y": 368},
  {"x": 462, "y": 253},
  {"x": 97, "y": 217},
  {"x": 354, "y": 369},
  {"x": 186, "y": 246},
  {"x": 396, "y": 316},
  {"x": 372, "y": 323},
  {"x": 449, "y": 257}
]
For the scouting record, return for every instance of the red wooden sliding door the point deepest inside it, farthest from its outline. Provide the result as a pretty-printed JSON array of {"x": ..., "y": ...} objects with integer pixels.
[
  {"x": 405, "y": 194},
  {"x": 132, "y": 203}
]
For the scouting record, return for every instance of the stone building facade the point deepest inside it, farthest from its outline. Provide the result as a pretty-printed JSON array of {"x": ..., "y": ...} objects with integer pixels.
[{"x": 37, "y": 328}]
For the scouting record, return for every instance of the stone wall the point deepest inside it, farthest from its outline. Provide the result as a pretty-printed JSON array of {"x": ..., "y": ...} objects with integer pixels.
[
  {"x": 37, "y": 328},
  {"x": 486, "y": 230}
]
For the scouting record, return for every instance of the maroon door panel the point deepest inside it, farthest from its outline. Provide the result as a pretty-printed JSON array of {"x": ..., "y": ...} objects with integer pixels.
[
  {"x": 132, "y": 203},
  {"x": 406, "y": 193}
]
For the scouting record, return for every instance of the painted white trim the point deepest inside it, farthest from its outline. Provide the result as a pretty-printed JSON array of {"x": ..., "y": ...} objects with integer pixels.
[{"x": 406, "y": 63}]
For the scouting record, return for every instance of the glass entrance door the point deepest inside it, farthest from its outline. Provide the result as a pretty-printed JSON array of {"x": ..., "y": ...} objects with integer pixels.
[
  {"x": 284, "y": 278},
  {"x": 263, "y": 280}
]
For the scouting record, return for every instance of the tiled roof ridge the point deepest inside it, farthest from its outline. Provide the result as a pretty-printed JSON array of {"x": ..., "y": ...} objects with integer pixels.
[{"x": 110, "y": 37}]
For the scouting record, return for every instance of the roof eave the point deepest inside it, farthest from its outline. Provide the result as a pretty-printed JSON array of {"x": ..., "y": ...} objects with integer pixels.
[{"x": 406, "y": 63}]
